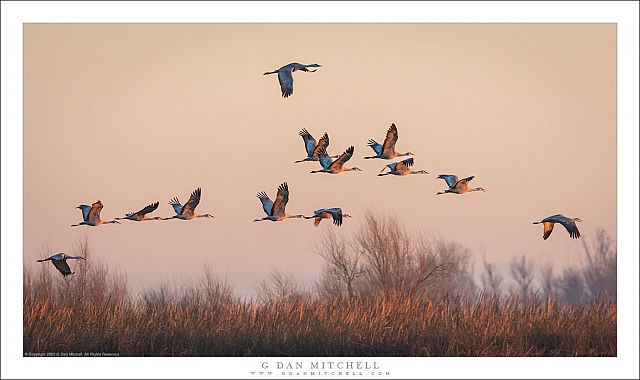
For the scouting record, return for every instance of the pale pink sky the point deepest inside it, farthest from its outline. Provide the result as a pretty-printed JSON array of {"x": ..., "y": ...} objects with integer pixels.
[{"x": 132, "y": 114}]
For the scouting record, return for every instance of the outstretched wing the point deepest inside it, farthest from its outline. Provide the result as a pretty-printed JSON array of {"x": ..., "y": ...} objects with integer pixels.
[
  {"x": 285, "y": 77},
  {"x": 390, "y": 141},
  {"x": 62, "y": 266},
  {"x": 94, "y": 212},
  {"x": 319, "y": 211},
  {"x": 404, "y": 164},
  {"x": 190, "y": 207},
  {"x": 391, "y": 166},
  {"x": 569, "y": 225},
  {"x": 375, "y": 146},
  {"x": 267, "y": 204},
  {"x": 281, "y": 200},
  {"x": 462, "y": 184},
  {"x": 548, "y": 228},
  {"x": 177, "y": 207},
  {"x": 150, "y": 208},
  {"x": 324, "y": 159},
  {"x": 344, "y": 157},
  {"x": 322, "y": 145},
  {"x": 336, "y": 213},
  {"x": 309, "y": 141},
  {"x": 85, "y": 212},
  {"x": 450, "y": 179}
]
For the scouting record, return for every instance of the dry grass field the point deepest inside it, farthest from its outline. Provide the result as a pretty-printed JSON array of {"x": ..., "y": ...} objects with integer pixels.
[{"x": 356, "y": 309}]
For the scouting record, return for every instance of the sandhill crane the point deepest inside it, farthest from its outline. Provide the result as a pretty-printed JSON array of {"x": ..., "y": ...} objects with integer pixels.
[
  {"x": 568, "y": 223},
  {"x": 285, "y": 76},
  {"x": 187, "y": 211},
  {"x": 276, "y": 210},
  {"x": 401, "y": 168},
  {"x": 313, "y": 148},
  {"x": 91, "y": 215},
  {"x": 59, "y": 260},
  {"x": 142, "y": 214},
  {"x": 387, "y": 150},
  {"x": 457, "y": 186},
  {"x": 334, "y": 167},
  {"x": 326, "y": 213}
]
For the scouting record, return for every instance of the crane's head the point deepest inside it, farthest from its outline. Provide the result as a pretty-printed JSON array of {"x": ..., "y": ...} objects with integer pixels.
[
  {"x": 346, "y": 216},
  {"x": 479, "y": 189},
  {"x": 314, "y": 65},
  {"x": 354, "y": 169},
  {"x": 577, "y": 220}
]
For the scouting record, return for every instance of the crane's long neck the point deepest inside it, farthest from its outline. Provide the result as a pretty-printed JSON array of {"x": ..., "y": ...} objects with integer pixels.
[{"x": 74, "y": 257}]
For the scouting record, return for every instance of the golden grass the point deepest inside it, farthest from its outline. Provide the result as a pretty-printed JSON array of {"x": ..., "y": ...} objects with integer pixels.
[{"x": 92, "y": 311}]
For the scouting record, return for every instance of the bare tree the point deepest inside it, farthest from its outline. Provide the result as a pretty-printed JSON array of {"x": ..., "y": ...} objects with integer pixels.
[
  {"x": 384, "y": 258},
  {"x": 522, "y": 273},
  {"x": 279, "y": 287},
  {"x": 600, "y": 267},
  {"x": 571, "y": 286},
  {"x": 342, "y": 266},
  {"x": 547, "y": 281},
  {"x": 491, "y": 280}
]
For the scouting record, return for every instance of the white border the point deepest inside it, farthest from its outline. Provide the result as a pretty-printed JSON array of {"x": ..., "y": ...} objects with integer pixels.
[{"x": 625, "y": 14}]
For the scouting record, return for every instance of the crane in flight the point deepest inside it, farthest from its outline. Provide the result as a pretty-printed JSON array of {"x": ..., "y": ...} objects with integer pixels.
[
  {"x": 335, "y": 166},
  {"x": 401, "y": 168},
  {"x": 568, "y": 223},
  {"x": 142, "y": 214},
  {"x": 457, "y": 186},
  {"x": 187, "y": 211},
  {"x": 91, "y": 215},
  {"x": 276, "y": 210},
  {"x": 313, "y": 148},
  {"x": 285, "y": 76},
  {"x": 327, "y": 213},
  {"x": 59, "y": 260},
  {"x": 387, "y": 150}
]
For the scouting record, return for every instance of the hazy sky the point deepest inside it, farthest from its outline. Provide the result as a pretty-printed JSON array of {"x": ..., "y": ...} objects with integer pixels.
[{"x": 132, "y": 114}]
